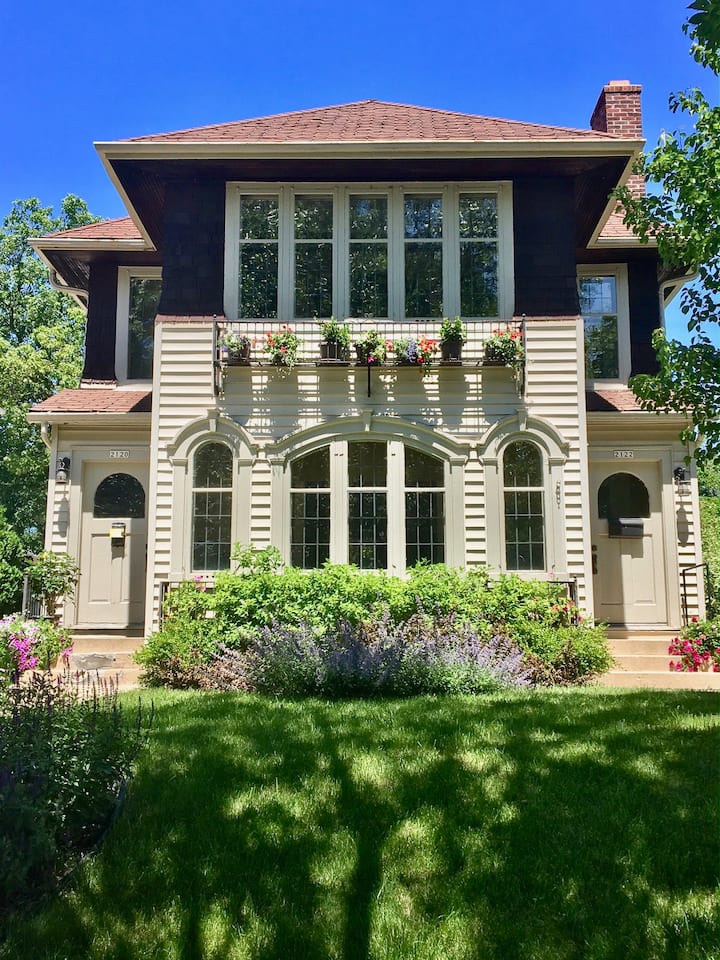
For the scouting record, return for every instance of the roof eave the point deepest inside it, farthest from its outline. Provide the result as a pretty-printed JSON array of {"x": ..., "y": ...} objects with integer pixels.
[
  {"x": 77, "y": 418},
  {"x": 364, "y": 148}
]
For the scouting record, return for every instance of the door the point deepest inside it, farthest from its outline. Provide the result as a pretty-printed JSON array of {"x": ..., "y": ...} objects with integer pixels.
[
  {"x": 628, "y": 558},
  {"x": 111, "y": 592}
]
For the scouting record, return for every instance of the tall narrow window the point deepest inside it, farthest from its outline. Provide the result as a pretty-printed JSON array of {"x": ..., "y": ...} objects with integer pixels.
[
  {"x": 423, "y": 256},
  {"x": 367, "y": 505},
  {"x": 478, "y": 255},
  {"x": 424, "y": 508},
  {"x": 310, "y": 519},
  {"x": 212, "y": 507},
  {"x": 368, "y": 257},
  {"x": 258, "y": 258},
  {"x": 599, "y": 308},
  {"x": 143, "y": 308},
  {"x": 313, "y": 256},
  {"x": 524, "y": 515}
]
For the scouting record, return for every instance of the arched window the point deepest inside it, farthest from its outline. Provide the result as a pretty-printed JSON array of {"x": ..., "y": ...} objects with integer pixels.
[
  {"x": 385, "y": 509},
  {"x": 523, "y": 486},
  {"x": 119, "y": 495},
  {"x": 212, "y": 507},
  {"x": 623, "y": 495}
]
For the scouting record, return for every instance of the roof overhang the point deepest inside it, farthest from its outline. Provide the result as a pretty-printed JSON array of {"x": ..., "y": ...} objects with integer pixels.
[{"x": 95, "y": 420}]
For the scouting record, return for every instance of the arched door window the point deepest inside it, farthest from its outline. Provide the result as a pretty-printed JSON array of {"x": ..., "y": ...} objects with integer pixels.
[
  {"x": 523, "y": 487},
  {"x": 119, "y": 495},
  {"x": 212, "y": 507},
  {"x": 623, "y": 495}
]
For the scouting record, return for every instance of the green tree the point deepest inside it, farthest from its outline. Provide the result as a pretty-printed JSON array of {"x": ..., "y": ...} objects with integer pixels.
[
  {"x": 684, "y": 218},
  {"x": 41, "y": 349}
]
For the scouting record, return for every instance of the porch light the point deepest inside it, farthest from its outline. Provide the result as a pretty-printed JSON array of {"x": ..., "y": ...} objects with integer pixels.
[
  {"x": 682, "y": 480},
  {"x": 62, "y": 470}
]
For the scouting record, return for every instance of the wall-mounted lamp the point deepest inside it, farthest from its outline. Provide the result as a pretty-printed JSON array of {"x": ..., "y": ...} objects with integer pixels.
[
  {"x": 62, "y": 470},
  {"x": 681, "y": 475}
]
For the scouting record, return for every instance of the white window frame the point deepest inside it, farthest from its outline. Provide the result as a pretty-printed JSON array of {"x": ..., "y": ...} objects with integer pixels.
[
  {"x": 122, "y": 317},
  {"x": 396, "y": 257},
  {"x": 620, "y": 272}
]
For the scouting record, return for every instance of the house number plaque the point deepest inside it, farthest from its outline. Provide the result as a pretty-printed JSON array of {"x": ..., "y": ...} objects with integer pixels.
[
  {"x": 119, "y": 454},
  {"x": 624, "y": 454}
]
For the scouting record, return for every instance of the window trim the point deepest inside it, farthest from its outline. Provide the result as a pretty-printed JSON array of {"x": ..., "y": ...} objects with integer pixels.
[
  {"x": 541, "y": 488},
  {"x": 337, "y": 434},
  {"x": 122, "y": 317},
  {"x": 620, "y": 272},
  {"x": 194, "y": 490},
  {"x": 394, "y": 192}
]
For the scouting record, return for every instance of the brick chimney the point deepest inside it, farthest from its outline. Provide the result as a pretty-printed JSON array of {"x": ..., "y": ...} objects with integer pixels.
[{"x": 618, "y": 111}]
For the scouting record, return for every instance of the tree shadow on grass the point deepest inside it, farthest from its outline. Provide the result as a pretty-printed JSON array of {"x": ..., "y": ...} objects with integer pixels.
[{"x": 504, "y": 827}]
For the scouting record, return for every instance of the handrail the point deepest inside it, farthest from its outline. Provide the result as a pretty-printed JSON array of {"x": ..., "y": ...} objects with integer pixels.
[{"x": 683, "y": 576}]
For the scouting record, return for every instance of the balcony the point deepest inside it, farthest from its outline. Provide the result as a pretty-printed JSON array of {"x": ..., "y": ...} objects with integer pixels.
[{"x": 310, "y": 339}]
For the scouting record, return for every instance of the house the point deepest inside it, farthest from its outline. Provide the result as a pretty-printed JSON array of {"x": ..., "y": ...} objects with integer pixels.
[{"x": 391, "y": 216}]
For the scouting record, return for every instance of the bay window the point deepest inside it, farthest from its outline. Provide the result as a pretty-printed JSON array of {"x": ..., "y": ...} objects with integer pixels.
[{"x": 295, "y": 252}]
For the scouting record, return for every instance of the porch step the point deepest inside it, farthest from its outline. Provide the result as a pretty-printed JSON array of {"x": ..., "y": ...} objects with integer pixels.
[
  {"x": 107, "y": 656},
  {"x": 642, "y": 660}
]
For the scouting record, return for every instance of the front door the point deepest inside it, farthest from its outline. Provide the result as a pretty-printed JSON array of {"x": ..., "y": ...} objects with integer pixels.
[
  {"x": 628, "y": 552},
  {"x": 111, "y": 591}
]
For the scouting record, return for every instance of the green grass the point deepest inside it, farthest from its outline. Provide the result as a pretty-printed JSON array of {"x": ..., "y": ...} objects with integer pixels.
[{"x": 555, "y": 825}]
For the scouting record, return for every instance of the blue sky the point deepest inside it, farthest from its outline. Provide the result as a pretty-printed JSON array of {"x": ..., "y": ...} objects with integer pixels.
[{"x": 79, "y": 72}]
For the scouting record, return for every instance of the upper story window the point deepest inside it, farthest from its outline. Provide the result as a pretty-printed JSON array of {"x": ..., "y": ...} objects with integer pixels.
[
  {"x": 378, "y": 252},
  {"x": 604, "y": 308},
  {"x": 137, "y": 305}
]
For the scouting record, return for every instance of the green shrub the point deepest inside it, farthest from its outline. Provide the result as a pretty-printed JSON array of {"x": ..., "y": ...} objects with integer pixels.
[{"x": 536, "y": 615}]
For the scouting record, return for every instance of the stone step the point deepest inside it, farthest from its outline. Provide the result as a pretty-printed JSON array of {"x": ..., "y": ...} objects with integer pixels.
[
  {"x": 655, "y": 663},
  {"x": 643, "y": 645},
  {"x": 101, "y": 642},
  {"x": 660, "y": 680}
]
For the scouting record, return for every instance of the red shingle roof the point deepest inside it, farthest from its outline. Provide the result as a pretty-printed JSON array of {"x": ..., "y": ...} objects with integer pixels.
[
  {"x": 371, "y": 120},
  {"x": 93, "y": 400},
  {"x": 121, "y": 228},
  {"x": 612, "y": 401}
]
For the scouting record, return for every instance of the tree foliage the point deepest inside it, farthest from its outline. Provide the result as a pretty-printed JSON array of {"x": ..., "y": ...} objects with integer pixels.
[
  {"x": 41, "y": 348},
  {"x": 684, "y": 219}
]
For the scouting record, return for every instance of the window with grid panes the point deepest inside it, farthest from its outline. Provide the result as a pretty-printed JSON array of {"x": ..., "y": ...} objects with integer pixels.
[
  {"x": 373, "y": 252},
  {"x": 367, "y": 505},
  {"x": 310, "y": 510},
  {"x": 524, "y": 514},
  {"x": 424, "y": 508},
  {"x": 212, "y": 507}
]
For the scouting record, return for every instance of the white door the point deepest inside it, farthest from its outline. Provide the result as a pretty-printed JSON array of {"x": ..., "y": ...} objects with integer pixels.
[
  {"x": 628, "y": 559},
  {"x": 111, "y": 591}
]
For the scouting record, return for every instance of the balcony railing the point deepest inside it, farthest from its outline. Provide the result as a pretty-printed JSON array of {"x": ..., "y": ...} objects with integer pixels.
[{"x": 310, "y": 337}]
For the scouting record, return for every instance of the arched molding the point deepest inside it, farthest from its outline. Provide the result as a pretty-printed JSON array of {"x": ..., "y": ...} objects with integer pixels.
[
  {"x": 371, "y": 427},
  {"x": 541, "y": 431},
  {"x": 212, "y": 427}
]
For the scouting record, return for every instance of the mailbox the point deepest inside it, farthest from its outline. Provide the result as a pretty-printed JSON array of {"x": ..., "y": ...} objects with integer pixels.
[
  {"x": 629, "y": 527},
  {"x": 117, "y": 533}
]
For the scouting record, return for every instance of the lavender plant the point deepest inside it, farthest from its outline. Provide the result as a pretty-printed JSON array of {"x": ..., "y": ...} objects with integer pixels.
[{"x": 377, "y": 659}]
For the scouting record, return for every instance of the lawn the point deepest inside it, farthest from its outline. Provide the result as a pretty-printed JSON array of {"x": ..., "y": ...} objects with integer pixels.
[{"x": 555, "y": 825}]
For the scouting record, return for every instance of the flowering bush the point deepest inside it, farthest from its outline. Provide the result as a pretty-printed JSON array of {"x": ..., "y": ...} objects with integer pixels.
[
  {"x": 698, "y": 647},
  {"x": 282, "y": 346},
  {"x": 422, "y": 351},
  {"x": 505, "y": 346},
  {"x": 30, "y": 644},
  {"x": 420, "y": 656}
]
